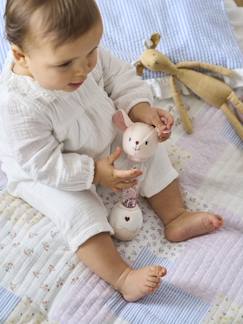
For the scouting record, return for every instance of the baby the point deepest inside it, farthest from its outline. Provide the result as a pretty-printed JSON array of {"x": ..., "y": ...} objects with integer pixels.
[{"x": 58, "y": 92}]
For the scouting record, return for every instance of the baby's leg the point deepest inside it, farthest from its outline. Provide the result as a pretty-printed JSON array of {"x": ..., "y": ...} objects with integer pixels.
[
  {"x": 101, "y": 256},
  {"x": 161, "y": 187},
  {"x": 180, "y": 223},
  {"x": 82, "y": 219}
]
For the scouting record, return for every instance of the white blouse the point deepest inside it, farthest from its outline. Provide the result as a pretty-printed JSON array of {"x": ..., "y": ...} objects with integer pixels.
[{"x": 54, "y": 136}]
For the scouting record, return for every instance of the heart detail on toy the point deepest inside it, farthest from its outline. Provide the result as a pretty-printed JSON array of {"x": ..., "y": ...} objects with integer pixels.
[{"x": 127, "y": 219}]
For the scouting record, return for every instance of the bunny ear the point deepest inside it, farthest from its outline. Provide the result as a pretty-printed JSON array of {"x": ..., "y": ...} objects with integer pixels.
[
  {"x": 148, "y": 43},
  {"x": 121, "y": 120},
  {"x": 155, "y": 38}
]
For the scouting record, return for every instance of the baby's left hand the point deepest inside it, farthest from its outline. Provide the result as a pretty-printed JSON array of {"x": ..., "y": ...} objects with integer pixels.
[
  {"x": 163, "y": 122},
  {"x": 157, "y": 117}
]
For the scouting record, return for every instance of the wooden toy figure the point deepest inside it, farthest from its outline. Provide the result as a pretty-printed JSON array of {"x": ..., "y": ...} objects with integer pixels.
[{"x": 210, "y": 89}]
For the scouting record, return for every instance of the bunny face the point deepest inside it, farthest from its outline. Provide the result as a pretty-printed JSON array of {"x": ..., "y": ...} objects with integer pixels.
[
  {"x": 156, "y": 61},
  {"x": 140, "y": 141}
]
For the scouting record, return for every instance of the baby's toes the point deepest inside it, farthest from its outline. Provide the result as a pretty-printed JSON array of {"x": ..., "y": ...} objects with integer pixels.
[
  {"x": 154, "y": 279},
  {"x": 162, "y": 272},
  {"x": 150, "y": 290},
  {"x": 151, "y": 284},
  {"x": 219, "y": 221},
  {"x": 214, "y": 222},
  {"x": 157, "y": 271}
]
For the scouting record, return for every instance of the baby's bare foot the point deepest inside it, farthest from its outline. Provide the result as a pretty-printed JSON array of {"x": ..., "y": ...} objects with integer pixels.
[
  {"x": 135, "y": 284},
  {"x": 190, "y": 224}
]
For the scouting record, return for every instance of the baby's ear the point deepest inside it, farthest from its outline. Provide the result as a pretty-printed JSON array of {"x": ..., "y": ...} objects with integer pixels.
[{"x": 121, "y": 120}]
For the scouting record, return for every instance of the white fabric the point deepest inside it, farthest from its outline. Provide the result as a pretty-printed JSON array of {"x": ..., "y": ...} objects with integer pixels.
[
  {"x": 80, "y": 215},
  {"x": 49, "y": 140},
  {"x": 53, "y": 136}
]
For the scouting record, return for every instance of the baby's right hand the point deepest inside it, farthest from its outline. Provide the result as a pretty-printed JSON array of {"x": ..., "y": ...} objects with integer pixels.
[{"x": 107, "y": 176}]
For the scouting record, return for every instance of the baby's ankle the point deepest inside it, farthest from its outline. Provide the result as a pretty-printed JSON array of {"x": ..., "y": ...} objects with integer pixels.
[
  {"x": 121, "y": 280},
  {"x": 135, "y": 284},
  {"x": 176, "y": 214}
]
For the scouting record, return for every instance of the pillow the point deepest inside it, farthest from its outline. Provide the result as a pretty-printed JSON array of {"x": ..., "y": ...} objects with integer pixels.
[
  {"x": 4, "y": 46},
  {"x": 3, "y": 179},
  {"x": 197, "y": 30}
]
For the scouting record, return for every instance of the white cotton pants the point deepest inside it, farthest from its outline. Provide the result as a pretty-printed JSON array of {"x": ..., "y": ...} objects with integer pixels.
[{"x": 80, "y": 215}]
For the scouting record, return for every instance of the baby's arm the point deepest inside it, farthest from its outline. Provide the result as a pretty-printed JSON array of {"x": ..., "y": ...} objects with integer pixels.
[
  {"x": 41, "y": 156},
  {"x": 38, "y": 152},
  {"x": 124, "y": 87},
  {"x": 130, "y": 93}
]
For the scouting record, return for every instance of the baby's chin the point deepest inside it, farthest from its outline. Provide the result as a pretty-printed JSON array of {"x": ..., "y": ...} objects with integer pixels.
[{"x": 71, "y": 87}]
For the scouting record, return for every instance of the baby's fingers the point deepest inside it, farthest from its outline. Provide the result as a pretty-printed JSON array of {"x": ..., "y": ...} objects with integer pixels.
[
  {"x": 124, "y": 185},
  {"x": 127, "y": 174},
  {"x": 166, "y": 118},
  {"x": 114, "y": 155},
  {"x": 164, "y": 138}
]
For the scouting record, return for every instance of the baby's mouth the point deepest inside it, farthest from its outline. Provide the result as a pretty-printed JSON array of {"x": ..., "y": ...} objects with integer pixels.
[{"x": 75, "y": 84}]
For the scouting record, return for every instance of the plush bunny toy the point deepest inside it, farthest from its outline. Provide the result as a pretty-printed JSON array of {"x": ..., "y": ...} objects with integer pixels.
[{"x": 139, "y": 143}]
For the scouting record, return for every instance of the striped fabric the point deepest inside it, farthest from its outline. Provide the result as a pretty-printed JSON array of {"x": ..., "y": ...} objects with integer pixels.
[
  {"x": 4, "y": 46},
  {"x": 8, "y": 302},
  {"x": 169, "y": 304},
  {"x": 190, "y": 30}
]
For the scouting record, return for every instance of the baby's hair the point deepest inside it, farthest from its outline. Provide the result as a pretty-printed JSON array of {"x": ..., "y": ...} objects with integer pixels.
[{"x": 63, "y": 20}]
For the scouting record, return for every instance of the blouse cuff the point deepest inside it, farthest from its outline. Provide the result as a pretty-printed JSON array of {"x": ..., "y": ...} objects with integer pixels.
[{"x": 87, "y": 174}]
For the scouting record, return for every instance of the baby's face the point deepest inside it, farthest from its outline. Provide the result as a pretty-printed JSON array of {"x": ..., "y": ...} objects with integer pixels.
[{"x": 66, "y": 67}]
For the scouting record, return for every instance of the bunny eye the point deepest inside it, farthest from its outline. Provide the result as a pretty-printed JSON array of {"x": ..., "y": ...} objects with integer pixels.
[
  {"x": 129, "y": 139},
  {"x": 146, "y": 142}
]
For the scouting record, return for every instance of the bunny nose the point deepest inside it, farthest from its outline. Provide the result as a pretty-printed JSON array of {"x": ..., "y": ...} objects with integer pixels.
[{"x": 137, "y": 142}]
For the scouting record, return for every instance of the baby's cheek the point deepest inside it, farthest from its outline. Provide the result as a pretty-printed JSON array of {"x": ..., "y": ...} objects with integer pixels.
[{"x": 53, "y": 80}]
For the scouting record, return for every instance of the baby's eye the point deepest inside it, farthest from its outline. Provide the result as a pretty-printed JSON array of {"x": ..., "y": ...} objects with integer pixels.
[
  {"x": 66, "y": 64},
  {"x": 146, "y": 142}
]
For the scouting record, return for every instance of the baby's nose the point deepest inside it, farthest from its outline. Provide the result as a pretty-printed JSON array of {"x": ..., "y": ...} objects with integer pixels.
[{"x": 137, "y": 142}]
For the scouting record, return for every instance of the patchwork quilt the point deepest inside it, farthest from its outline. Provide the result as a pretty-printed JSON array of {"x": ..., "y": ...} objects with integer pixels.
[{"x": 41, "y": 281}]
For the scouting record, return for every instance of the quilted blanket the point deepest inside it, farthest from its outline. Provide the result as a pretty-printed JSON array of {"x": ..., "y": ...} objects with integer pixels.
[{"x": 41, "y": 281}]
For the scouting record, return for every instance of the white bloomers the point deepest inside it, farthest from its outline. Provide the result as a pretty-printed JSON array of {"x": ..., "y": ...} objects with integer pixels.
[{"x": 80, "y": 215}]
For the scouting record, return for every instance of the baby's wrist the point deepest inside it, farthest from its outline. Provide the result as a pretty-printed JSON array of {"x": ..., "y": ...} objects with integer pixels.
[
  {"x": 140, "y": 112},
  {"x": 96, "y": 177}
]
